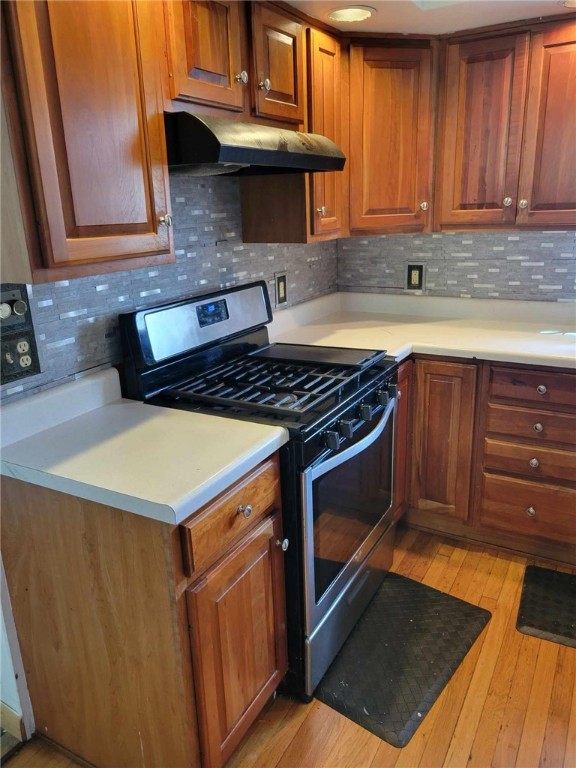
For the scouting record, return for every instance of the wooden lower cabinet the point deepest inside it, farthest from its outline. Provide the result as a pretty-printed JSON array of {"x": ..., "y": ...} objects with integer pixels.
[
  {"x": 401, "y": 438},
  {"x": 514, "y": 461},
  {"x": 238, "y": 635},
  {"x": 131, "y": 643},
  {"x": 443, "y": 437}
]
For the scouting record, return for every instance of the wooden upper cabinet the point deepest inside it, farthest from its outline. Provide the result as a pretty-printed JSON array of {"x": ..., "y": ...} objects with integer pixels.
[
  {"x": 325, "y": 117},
  {"x": 279, "y": 65},
  {"x": 547, "y": 191},
  {"x": 206, "y": 53},
  {"x": 90, "y": 85},
  {"x": 484, "y": 99},
  {"x": 508, "y": 131},
  {"x": 390, "y": 138}
]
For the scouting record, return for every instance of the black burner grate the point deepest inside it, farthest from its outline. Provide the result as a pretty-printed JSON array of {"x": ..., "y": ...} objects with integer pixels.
[{"x": 277, "y": 387}]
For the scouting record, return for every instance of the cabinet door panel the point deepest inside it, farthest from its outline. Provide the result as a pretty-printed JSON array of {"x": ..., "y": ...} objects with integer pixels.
[
  {"x": 548, "y": 174},
  {"x": 238, "y": 632},
  {"x": 482, "y": 130},
  {"x": 278, "y": 48},
  {"x": 326, "y": 119},
  {"x": 390, "y": 136},
  {"x": 204, "y": 41},
  {"x": 90, "y": 81},
  {"x": 443, "y": 429}
]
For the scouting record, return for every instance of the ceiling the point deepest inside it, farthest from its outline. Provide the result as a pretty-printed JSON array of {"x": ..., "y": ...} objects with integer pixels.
[{"x": 431, "y": 17}]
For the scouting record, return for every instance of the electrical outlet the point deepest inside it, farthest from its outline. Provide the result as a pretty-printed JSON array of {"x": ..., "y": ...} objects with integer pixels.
[
  {"x": 415, "y": 277},
  {"x": 281, "y": 288},
  {"x": 18, "y": 349}
]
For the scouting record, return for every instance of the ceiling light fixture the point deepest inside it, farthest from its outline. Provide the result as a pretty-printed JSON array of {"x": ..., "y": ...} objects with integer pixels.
[{"x": 352, "y": 13}]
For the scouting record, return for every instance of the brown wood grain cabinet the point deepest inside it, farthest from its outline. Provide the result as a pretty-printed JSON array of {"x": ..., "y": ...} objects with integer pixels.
[
  {"x": 278, "y": 52},
  {"x": 302, "y": 207},
  {"x": 325, "y": 117},
  {"x": 443, "y": 437},
  {"x": 146, "y": 643},
  {"x": 207, "y": 53},
  {"x": 402, "y": 438},
  {"x": 391, "y": 133},
  {"x": 89, "y": 79},
  {"x": 507, "y": 131},
  {"x": 528, "y": 449}
]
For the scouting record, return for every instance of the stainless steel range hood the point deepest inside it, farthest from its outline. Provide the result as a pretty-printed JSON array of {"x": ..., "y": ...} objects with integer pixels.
[{"x": 209, "y": 146}]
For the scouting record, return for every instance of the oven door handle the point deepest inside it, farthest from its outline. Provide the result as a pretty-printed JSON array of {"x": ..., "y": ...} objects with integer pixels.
[{"x": 312, "y": 473}]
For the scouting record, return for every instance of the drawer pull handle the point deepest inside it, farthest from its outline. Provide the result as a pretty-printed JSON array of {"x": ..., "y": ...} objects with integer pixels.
[
  {"x": 531, "y": 512},
  {"x": 541, "y": 389},
  {"x": 538, "y": 427},
  {"x": 282, "y": 544},
  {"x": 245, "y": 511},
  {"x": 534, "y": 463}
]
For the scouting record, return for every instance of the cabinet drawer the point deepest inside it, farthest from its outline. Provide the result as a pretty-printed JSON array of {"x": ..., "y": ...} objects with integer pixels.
[
  {"x": 532, "y": 424},
  {"x": 210, "y": 532},
  {"x": 534, "y": 386},
  {"x": 533, "y": 509},
  {"x": 536, "y": 461}
]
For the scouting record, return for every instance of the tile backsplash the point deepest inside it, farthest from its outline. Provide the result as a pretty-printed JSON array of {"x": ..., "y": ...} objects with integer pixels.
[
  {"x": 534, "y": 266},
  {"x": 76, "y": 321}
]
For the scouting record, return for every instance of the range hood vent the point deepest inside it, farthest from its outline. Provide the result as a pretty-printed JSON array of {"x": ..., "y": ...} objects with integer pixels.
[{"x": 208, "y": 146}]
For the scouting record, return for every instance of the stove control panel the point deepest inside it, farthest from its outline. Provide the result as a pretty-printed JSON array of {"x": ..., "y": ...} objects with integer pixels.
[{"x": 19, "y": 353}]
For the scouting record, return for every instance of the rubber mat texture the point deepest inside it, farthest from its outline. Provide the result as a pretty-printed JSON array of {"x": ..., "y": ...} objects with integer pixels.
[
  {"x": 548, "y": 605},
  {"x": 399, "y": 657}
]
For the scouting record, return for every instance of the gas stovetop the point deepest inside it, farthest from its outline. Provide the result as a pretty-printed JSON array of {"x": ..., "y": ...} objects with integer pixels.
[
  {"x": 212, "y": 354},
  {"x": 268, "y": 382}
]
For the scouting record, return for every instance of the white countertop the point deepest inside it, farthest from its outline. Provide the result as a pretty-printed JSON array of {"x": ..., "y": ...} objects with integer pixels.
[
  {"x": 83, "y": 438},
  {"x": 157, "y": 462},
  {"x": 537, "y": 333}
]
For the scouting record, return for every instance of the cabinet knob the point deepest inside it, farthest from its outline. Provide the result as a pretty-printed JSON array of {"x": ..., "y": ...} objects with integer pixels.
[
  {"x": 541, "y": 389},
  {"x": 265, "y": 85},
  {"x": 284, "y": 544},
  {"x": 531, "y": 512},
  {"x": 245, "y": 511},
  {"x": 167, "y": 220},
  {"x": 242, "y": 77},
  {"x": 534, "y": 463},
  {"x": 424, "y": 206},
  {"x": 322, "y": 210},
  {"x": 538, "y": 427},
  {"x": 507, "y": 202},
  {"x": 523, "y": 203}
]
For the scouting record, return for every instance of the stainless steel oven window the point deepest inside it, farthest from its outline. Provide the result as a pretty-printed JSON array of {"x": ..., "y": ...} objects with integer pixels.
[{"x": 345, "y": 501}]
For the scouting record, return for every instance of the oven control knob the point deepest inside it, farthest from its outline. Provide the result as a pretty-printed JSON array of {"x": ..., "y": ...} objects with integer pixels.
[
  {"x": 365, "y": 412},
  {"x": 383, "y": 397},
  {"x": 332, "y": 439},
  {"x": 346, "y": 427}
]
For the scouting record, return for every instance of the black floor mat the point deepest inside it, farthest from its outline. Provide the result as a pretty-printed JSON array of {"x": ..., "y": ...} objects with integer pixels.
[
  {"x": 398, "y": 658},
  {"x": 548, "y": 605}
]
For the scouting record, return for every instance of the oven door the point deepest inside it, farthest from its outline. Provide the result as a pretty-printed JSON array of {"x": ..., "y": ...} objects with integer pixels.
[{"x": 347, "y": 502}]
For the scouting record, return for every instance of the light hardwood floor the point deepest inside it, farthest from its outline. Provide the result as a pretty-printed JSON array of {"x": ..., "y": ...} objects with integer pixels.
[{"x": 512, "y": 702}]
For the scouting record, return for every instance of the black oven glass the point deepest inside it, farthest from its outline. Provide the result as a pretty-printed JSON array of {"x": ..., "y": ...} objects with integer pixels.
[{"x": 348, "y": 501}]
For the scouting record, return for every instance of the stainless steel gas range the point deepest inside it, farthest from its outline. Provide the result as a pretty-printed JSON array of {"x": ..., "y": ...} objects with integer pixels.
[{"x": 212, "y": 354}]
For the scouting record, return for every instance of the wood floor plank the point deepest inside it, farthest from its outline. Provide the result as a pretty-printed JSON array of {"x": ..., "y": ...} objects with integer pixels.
[
  {"x": 461, "y": 745},
  {"x": 318, "y": 733},
  {"x": 356, "y": 747},
  {"x": 570, "y": 752},
  {"x": 556, "y": 734},
  {"x": 537, "y": 706}
]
